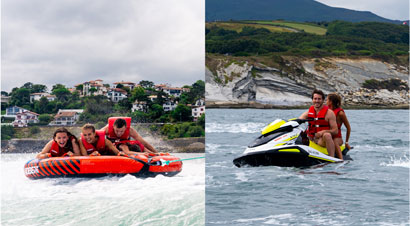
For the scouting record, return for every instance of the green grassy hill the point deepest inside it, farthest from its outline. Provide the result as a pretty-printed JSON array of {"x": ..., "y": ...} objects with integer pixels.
[{"x": 272, "y": 26}]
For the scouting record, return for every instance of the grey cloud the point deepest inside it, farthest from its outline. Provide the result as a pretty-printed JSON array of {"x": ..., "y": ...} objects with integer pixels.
[{"x": 68, "y": 42}]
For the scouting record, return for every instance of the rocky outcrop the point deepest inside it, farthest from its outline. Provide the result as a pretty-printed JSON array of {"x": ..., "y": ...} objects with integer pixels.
[{"x": 289, "y": 81}]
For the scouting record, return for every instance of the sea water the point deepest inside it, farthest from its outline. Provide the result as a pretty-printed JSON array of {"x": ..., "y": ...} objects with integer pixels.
[
  {"x": 373, "y": 189},
  {"x": 127, "y": 200}
]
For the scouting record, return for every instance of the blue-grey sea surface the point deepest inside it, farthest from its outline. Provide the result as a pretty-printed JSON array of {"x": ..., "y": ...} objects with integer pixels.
[
  {"x": 373, "y": 189},
  {"x": 127, "y": 200}
]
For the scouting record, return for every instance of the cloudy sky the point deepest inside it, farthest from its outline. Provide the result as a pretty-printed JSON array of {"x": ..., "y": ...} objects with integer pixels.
[
  {"x": 391, "y": 9},
  {"x": 72, "y": 41}
]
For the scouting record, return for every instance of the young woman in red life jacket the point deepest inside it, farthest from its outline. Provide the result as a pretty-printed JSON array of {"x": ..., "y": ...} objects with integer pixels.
[
  {"x": 119, "y": 132},
  {"x": 62, "y": 144},
  {"x": 334, "y": 102},
  {"x": 323, "y": 124},
  {"x": 94, "y": 143}
]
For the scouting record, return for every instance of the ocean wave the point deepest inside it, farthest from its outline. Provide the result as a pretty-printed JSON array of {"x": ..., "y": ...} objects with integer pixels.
[
  {"x": 272, "y": 219},
  {"x": 246, "y": 127},
  {"x": 214, "y": 148},
  {"x": 397, "y": 162}
]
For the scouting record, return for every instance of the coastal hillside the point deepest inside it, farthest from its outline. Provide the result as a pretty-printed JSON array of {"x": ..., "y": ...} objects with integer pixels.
[
  {"x": 293, "y": 10},
  {"x": 288, "y": 81},
  {"x": 253, "y": 66}
]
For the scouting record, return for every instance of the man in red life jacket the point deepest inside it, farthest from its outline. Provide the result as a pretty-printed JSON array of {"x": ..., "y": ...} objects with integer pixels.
[
  {"x": 119, "y": 131},
  {"x": 323, "y": 124},
  {"x": 94, "y": 143}
]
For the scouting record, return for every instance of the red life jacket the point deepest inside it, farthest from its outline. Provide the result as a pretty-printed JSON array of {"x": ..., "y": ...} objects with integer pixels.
[
  {"x": 319, "y": 123},
  {"x": 111, "y": 134},
  {"x": 100, "y": 143},
  {"x": 57, "y": 151},
  {"x": 339, "y": 126}
]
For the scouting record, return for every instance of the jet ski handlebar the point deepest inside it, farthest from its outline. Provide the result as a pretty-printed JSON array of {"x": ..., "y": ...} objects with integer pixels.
[{"x": 300, "y": 121}]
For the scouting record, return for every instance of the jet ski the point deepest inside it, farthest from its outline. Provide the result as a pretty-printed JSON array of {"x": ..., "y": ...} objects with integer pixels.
[{"x": 286, "y": 144}]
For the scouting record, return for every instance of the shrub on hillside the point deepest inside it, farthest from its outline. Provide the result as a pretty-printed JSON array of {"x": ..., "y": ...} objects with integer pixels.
[{"x": 7, "y": 132}]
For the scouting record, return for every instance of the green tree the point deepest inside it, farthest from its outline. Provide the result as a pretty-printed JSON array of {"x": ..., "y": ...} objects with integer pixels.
[
  {"x": 45, "y": 119},
  {"x": 156, "y": 111},
  {"x": 195, "y": 131},
  {"x": 146, "y": 84},
  {"x": 119, "y": 86},
  {"x": 182, "y": 113},
  {"x": 20, "y": 97},
  {"x": 125, "y": 105},
  {"x": 41, "y": 105},
  {"x": 7, "y": 132},
  {"x": 138, "y": 93},
  {"x": 201, "y": 121},
  {"x": 38, "y": 88},
  {"x": 98, "y": 105},
  {"x": 62, "y": 94},
  {"x": 80, "y": 87},
  {"x": 57, "y": 86}
]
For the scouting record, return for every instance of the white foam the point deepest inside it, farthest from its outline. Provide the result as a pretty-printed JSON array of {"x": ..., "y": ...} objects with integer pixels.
[
  {"x": 272, "y": 219},
  {"x": 247, "y": 127},
  {"x": 182, "y": 195},
  {"x": 397, "y": 162}
]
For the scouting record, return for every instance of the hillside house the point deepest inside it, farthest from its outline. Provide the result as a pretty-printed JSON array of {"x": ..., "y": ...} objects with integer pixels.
[
  {"x": 130, "y": 85},
  {"x": 66, "y": 117},
  {"x": 24, "y": 118},
  {"x": 198, "y": 109},
  {"x": 116, "y": 94},
  {"x": 38, "y": 96},
  {"x": 169, "y": 105},
  {"x": 139, "y": 106},
  {"x": 14, "y": 110}
]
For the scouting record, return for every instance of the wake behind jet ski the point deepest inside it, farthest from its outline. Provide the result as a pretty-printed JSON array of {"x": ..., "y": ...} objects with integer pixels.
[{"x": 286, "y": 144}]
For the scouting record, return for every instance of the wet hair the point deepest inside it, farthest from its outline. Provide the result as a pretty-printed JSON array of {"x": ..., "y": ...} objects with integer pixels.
[
  {"x": 88, "y": 126},
  {"x": 69, "y": 135},
  {"x": 320, "y": 92},
  {"x": 119, "y": 123},
  {"x": 335, "y": 99}
]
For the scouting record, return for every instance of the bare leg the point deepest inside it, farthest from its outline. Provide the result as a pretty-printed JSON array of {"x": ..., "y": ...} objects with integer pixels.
[
  {"x": 327, "y": 140},
  {"x": 338, "y": 142}
]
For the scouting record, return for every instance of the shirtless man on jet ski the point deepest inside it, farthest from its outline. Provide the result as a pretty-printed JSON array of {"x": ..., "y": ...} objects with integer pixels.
[{"x": 323, "y": 124}]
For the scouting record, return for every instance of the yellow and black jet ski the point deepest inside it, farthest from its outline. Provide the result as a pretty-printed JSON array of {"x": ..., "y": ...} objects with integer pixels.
[{"x": 286, "y": 144}]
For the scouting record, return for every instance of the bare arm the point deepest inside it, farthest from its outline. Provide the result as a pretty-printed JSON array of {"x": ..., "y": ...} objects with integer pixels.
[
  {"x": 347, "y": 124},
  {"x": 332, "y": 122},
  {"x": 111, "y": 147},
  {"x": 44, "y": 153},
  {"x": 304, "y": 115},
  {"x": 105, "y": 129},
  {"x": 76, "y": 148},
  {"x": 138, "y": 137}
]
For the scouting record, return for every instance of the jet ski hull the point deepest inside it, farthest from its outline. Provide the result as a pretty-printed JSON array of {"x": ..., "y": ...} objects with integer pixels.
[{"x": 278, "y": 158}]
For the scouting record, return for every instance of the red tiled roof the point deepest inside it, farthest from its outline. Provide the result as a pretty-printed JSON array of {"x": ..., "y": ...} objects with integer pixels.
[{"x": 65, "y": 114}]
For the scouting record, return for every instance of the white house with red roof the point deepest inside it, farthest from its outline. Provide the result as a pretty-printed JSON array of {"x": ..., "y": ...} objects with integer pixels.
[
  {"x": 116, "y": 94},
  {"x": 130, "y": 85},
  {"x": 198, "y": 109},
  {"x": 24, "y": 118},
  {"x": 38, "y": 96},
  {"x": 66, "y": 117},
  {"x": 174, "y": 91},
  {"x": 139, "y": 106}
]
